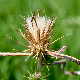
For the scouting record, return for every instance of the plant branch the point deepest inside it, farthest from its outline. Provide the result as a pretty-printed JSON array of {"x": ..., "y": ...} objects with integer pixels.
[
  {"x": 62, "y": 56},
  {"x": 13, "y": 54},
  {"x": 63, "y": 63}
]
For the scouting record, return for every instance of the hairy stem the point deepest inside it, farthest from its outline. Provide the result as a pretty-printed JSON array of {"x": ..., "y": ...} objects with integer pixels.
[{"x": 62, "y": 56}]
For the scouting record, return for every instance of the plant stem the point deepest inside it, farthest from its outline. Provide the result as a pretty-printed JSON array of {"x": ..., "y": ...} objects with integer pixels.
[
  {"x": 13, "y": 54},
  {"x": 39, "y": 62}
]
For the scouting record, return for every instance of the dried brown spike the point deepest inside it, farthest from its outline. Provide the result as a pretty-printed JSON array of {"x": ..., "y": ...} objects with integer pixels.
[{"x": 39, "y": 12}]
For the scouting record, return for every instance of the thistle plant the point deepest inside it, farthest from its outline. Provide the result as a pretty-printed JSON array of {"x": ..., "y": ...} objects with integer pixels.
[{"x": 38, "y": 35}]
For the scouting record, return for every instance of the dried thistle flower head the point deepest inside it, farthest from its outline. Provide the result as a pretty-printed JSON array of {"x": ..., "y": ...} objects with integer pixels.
[
  {"x": 38, "y": 36},
  {"x": 39, "y": 30}
]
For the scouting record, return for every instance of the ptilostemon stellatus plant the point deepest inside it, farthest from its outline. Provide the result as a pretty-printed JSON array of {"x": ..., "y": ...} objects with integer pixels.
[{"x": 38, "y": 35}]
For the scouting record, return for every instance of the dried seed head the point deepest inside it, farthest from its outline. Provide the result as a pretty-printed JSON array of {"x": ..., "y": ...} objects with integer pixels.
[{"x": 38, "y": 29}]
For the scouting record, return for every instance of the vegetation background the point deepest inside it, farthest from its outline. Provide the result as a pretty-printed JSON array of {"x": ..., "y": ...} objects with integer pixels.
[{"x": 68, "y": 21}]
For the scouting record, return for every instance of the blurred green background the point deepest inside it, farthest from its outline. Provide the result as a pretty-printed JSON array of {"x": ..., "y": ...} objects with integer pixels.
[{"x": 68, "y": 21}]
